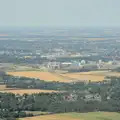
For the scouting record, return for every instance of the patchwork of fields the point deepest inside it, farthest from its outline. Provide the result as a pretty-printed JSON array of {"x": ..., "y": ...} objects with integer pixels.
[
  {"x": 77, "y": 116},
  {"x": 66, "y": 77},
  {"x": 47, "y": 76},
  {"x": 84, "y": 76}
]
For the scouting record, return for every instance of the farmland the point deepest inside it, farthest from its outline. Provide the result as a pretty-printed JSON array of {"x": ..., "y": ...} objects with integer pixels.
[
  {"x": 47, "y": 76},
  {"x": 27, "y": 91},
  {"x": 66, "y": 77},
  {"x": 3, "y": 89},
  {"x": 92, "y": 75},
  {"x": 84, "y": 76},
  {"x": 78, "y": 116},
  {"x": 54, "y": 74}
]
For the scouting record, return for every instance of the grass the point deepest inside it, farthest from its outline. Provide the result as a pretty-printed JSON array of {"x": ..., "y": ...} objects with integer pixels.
[{"x": 78, "y": 116}]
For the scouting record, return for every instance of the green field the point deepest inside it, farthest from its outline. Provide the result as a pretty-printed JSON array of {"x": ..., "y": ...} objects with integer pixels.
[{"x": 78, "y": 116}]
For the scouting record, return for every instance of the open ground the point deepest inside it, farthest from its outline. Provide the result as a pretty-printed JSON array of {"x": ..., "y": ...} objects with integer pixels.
[
  {"x": 78, "y": 116},
  {"x": 66, "y": 77},
  {"x": 3, "y": 89}
]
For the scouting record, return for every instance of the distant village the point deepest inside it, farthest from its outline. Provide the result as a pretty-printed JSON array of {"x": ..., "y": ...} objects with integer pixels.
[{"x": 52, "y": 62}]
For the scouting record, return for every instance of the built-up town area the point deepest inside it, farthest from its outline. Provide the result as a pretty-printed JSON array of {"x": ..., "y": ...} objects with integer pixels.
[{"x": 62, "y": 49}]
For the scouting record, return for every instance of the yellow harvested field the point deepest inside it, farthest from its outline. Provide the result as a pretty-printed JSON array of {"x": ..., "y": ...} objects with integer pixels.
[
  {"x": 82, "y": 76},
  {"x": 47, "y": 76},
  {"x": 2, "y": 87},
  {"x": 92, "y": 75},
  {"x": 95, "y": 72},
  {"x": 78, "y": 116},
  {"x": 66, "y": 77},
  {"x": 117, "y": 74},
  {"x": 26, "y": 91},
  {"x": 51, "y": 117}
]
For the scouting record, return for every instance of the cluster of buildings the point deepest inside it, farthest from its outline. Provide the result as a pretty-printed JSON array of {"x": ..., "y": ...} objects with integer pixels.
[
  {"x": 86, "y": 97},
  {"x": 83, "y": 65}
]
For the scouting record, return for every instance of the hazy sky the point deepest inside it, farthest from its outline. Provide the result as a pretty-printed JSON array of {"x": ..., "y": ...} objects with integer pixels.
[{"x": 59, "y": 12}]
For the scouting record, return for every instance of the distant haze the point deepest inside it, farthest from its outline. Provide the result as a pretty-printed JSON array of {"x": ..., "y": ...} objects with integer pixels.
[{"x": 59, "y": 13}]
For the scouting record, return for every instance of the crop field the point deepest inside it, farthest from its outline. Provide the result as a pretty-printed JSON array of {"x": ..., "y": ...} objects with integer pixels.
[
  {"x": 66, "y": 77},
  {"x": 26, "y": 91},
  {"x": 105, "y": 73},
  {"x": 47, "y": 76},
  {"x": 78, "y": 116},
  {"x": 117, "y": 74},
  {"x": 92, "y": 75},
  {"x": 82, "y": 76},
  {"x": 3, "y": 87}
]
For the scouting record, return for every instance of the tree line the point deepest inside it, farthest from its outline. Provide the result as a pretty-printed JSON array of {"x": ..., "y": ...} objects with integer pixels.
[{"x": 77, "y": 97}]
